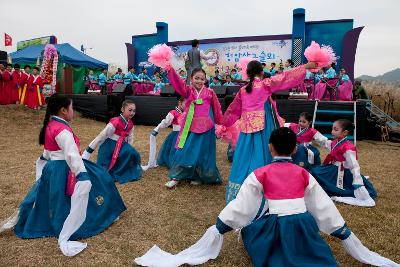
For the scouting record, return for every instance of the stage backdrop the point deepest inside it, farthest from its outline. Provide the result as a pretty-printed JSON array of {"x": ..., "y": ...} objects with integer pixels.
[{"x": 226, "y": 55}]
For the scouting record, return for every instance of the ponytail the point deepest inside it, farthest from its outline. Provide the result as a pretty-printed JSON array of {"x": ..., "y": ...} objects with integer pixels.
[
  {"x": 250, "y": 84},
  {"x": 253, "y": 68},
  {"x": 42, "y": 133},
  {"x": 54, "y": 104}
]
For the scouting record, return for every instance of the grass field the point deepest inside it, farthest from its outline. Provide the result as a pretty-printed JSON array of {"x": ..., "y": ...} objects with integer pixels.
[{"x": 173, "y": 219}]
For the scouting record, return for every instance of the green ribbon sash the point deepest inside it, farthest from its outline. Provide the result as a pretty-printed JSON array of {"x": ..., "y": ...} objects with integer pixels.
[{"x": 188, "y": 122}]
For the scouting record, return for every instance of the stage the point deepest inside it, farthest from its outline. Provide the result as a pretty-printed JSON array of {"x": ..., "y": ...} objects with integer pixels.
[{"x": 150, "y": 110}]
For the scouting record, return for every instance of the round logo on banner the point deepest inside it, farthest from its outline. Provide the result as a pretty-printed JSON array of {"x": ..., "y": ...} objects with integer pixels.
[{"x": 215, "y": 58}]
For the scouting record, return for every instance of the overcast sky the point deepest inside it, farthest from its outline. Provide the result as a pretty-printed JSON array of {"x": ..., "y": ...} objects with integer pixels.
[{"x": 105, "y": 26}]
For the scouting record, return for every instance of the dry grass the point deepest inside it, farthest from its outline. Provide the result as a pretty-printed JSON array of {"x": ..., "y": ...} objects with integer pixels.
[{"x": 173, "y": 219}]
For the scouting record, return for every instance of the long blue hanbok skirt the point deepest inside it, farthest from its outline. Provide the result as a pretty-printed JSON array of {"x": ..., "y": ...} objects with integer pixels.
[
  {"x": 326, "y": 175},
  {"x": 291, "y": 240},
  {"x": 197, "y": 160},
  {"x": 251, "y": 152},
  {"x": 45, "y": 208},
  {"x": 127, "y": 168},
  {"x": 167, "y": 150},
  {"x": 301, "y": 156}
]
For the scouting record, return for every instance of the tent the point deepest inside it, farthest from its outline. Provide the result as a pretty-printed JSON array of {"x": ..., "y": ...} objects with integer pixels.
[{"x": 69, "y": 57}]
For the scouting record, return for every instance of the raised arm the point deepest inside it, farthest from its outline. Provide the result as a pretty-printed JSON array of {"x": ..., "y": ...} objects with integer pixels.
[
  {"x": 286, "y": 80},
  {"x": 179, "y": 85}
]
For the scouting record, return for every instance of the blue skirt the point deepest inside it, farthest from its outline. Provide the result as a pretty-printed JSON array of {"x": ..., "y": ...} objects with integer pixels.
[
  {"x": 326, "y": 175},
  {"x": 197, "y": 160},
  {"x": 45, "y": 208},
  {"x": 292, "y": 240},
  {"x": 251, "y": 152},
  {"x": 167, "y": 150},
  {"x": 127, "y": 168},
  {"x": 301, "y": 157}
]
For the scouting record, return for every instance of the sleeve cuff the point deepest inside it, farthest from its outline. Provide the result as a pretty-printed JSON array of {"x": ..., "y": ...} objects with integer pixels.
[
  {"x": 83, "y": 176},
  {"x": 42, "y": 157},
  {"x": 89, "y": 150},
  {"x": 342, "y": 233},
  {"x": 222, "y": 227}
]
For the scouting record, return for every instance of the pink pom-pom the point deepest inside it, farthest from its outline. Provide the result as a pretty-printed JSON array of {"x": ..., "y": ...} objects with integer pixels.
[
  {"x": 323, "y": 56},
  {"x": 242, "y": 64},
  {"x": 228, "y": 134},
  {"x": 160, "y": 55}
]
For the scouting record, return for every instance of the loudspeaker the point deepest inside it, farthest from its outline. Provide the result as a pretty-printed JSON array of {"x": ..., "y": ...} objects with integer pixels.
[
  {"x": 282, "y": 94},
  {"x": 119, "y": 88},
  {"x": 3, "y": 58},
  {"x": 220, "y": 91},
  {"x": 232, "y": 90},
  {"x": 167, "y": 91}
]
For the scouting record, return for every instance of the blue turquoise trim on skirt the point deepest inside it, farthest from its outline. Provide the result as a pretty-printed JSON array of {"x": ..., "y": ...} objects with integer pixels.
[
  {"x": 197, "y": 160},
  {"x": 292, "y": 240},
  {"x": 46, "y": 206},
  {"x": 301, "y": 156},
  {"x": 251, "y": 152},
  {"x": 127, "y": 168},
  {"x": 167, "y": 150},
  {"x": 326, "y": 175}
]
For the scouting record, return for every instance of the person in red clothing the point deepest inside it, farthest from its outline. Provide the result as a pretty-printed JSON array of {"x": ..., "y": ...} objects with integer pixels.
[
  {"x": 24, "y": 83},
  {"x": 34, "y": 97},
  {"x": 16, "y": 89},
  {"x": 7, "y": 85},
  {"x": 1, "y": 83}
]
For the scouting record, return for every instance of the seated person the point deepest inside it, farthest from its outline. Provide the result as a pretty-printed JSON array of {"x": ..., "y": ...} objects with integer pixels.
[
  {"x": 235, "y": 75},
  {"x": 229, "y": 82},
  {"x": 143, "y": 76},
  {"x": 215, "y": 82}
]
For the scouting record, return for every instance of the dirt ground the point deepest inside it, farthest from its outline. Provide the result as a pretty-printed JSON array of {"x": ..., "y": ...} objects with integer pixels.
[{"x": 173, "y": 219}]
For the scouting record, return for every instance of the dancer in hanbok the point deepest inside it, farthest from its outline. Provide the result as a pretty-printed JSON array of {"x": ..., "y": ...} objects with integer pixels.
[
  {"x": 286, "y": 235},
  {"x": 340, "y": 175},
  {"x": 71, "y": 198},
  {"x": 306, "y": 155},
  {"x": 257, "y": 113},
  {"x": 116, "y": 153},
  {"x": 168, "y": 149}
]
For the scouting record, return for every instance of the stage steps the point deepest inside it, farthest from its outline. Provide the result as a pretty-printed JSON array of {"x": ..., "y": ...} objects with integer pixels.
[{"x": 323, "y": 119}]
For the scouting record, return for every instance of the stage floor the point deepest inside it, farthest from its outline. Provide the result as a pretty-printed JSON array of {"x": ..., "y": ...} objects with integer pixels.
[{"x": 150, "y": 110}]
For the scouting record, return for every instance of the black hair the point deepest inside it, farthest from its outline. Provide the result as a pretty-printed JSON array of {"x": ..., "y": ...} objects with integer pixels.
[
  {"x": 17, "y": 66},
  {"x": 216, "y": 78},
  {"x": 283, "y": 140},
  {"x": 143, "y": 69},
  {"x": 9, "y": 65},
  {"x": 306, "y": 115},
  {"x": 333, "y": 65},
  {"x": 233, "y": 70},
  {"x": 216, "y": 71},
  {"x": 181, "y": 99},
  {"x": 228, "y": 76},
  {"x": 263, "y": 64},
  {"x": 253, "y": 68},
  {"x": 346, "y": 125},
  {"x": 54, "y": 104},
  {"x": 119, "y": 70},
  {"x": 27, "y": 66},
  {"x": 127, "y": 102},
  {"x": 36, "y": 68},
  {"x": 196, "y": 70},
  {"x": 103, "y": 70},
  {"x": 290, "y": 62},
  {"x": 266, "y": 75},
  {"x": 195, "y": 42},
  {"x": 129, "y": 68},
  {"x": 273, "y": 64}
]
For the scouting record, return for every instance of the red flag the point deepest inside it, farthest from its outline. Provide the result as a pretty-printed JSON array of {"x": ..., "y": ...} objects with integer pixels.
[{"x": 7, "y": 40}]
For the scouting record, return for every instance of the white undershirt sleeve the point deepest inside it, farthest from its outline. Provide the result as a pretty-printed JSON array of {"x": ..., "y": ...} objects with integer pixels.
[
  {"x": 165, "y": 122},
  {"x": 66, "y": 142}
]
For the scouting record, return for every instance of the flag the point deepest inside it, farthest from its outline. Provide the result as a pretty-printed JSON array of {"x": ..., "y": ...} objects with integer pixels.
[{"x": 7, "y": 40}]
